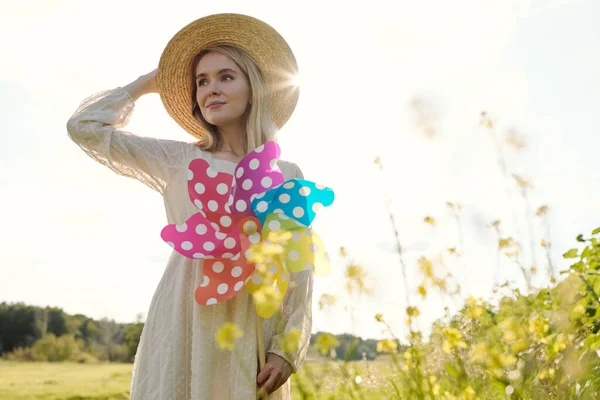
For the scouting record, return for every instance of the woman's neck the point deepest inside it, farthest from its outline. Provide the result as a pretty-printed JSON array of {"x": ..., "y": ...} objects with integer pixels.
[{"x": 232, "y": 144}]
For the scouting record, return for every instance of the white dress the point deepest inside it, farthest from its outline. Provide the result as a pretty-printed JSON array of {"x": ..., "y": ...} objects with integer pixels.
[{"x": 178, "y": 357}]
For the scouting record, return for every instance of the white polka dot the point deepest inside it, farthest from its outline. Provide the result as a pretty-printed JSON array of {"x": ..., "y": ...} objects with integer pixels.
[
  {"x": 215, "y": 226},
  {"x": 308, "y": 232},
  {"x": 278, "y": 211},
  {"x": 326, "y": 256},
  {"x": 181, "y": 228},
  {"x": 222, "y": 289},
  {"x": 190, "y": 174},
  {"x": 209, "y": 246},
  {"x": 199, "y": 188},
  {"x": 218, "y": 267},
  {"x": 229, "y": 243},
  {"x": 283, "y": 216},
  {"x": 309, "y": 267},
  {"x": 237, "y": 256},
  {"x": 288, "y": 185},
  {"x": 284, "y": 198},
  {"x": 254, "y": 238},
  {"x": 274, "y": 225},
  {"x": 222, "y": 188},
  {"x": 254, "y": 163},
  {"x": 186, "y": 245},
  {"x": 298, "y": 212},
  {"x": 211, "y": 173},
  {"x": 236, "y": 271},
  {"x": 316, "y": 207},
  {"x": 266, "y": 182},
  {"x": 225, "y": 220},
  {"x": 171, "y": 244},
  {"x": 247, "y": 184},
  {"x": 227, "y": 255},
  {"x": 304, "y": 191},
  {"x": 273, "y": 163},
  {"x": 296, "y": 236},
  {"x": 205, "y": 281},
  {"x": 257, "y": 279},
  {"x": 248, "y": 254},
  {"x": 273, "y": 268},
  {"x": 260, "y": 148},
  {"x": 294, "y": 255},
  {"x": 262, "y": 206},
  {"x": 239, "y": 172},
  {"x": 213, "y": 205},
  {"x": 220, "y": 235},
  {"x": 260, "y": 195},
  {"x": 227, "y": 208},
  {"x": 313, "y": 248},
  {"x": 198, "y": 203},
  {"x": 241, "y": 205},
  {"x": 238, "y": 286},
  {"x": 319, "y": 186},
  {"x": 198, "y": 255},
  {"x": 211, "y": 301},
  {"x": 284, "y": 276}
]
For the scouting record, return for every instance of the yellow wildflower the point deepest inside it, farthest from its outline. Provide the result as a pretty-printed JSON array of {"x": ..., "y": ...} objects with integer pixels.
[
  {"x": 227, "y": 335},
  {"x": 327, "y": 300},
  {"x": 290, "y": 340},
  {"x": 325, "y": 343},
  {"x": 267, "y": 300},
  {"x": 453, "y": 339},
  {"x": 426, "y": 267},
  {"x": 387, "y": 346},
  {"x": 429, "y": 220}
]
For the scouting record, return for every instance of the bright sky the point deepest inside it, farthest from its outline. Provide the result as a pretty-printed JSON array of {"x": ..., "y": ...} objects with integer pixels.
[{"x": 79, "y": 237}]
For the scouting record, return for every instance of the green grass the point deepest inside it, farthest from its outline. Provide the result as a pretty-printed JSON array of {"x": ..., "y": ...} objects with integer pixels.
[
  {"x": 64, "y": 381},
  {"x": 70, "y": 381}
]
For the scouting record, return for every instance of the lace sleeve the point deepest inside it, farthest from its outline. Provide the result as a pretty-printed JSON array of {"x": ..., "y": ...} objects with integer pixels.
[
  {"x": 95, "y": 128},
  {"x": 297, "y": 313}
]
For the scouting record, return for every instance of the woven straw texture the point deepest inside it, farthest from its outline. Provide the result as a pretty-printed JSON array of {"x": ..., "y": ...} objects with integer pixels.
[{"x": 259, "y": 40}]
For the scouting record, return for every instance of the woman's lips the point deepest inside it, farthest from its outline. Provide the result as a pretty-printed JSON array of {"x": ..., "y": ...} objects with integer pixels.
[{"x": 213, "y": 106}]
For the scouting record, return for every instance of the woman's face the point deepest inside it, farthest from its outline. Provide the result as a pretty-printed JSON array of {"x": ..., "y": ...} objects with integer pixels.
[{"x": 219, "y": 80}]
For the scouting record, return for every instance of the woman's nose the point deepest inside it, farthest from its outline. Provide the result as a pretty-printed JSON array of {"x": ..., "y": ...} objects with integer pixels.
[{"x": 213, "y": 88}]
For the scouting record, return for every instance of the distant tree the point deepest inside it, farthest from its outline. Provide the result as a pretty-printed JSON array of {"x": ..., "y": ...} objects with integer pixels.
[
  {"x": 132, "y": 339},
  {"x": 18, "y": 326}
]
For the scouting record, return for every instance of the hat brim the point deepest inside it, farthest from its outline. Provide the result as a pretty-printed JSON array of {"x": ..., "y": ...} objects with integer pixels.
[{"x": 260, "y": 41}]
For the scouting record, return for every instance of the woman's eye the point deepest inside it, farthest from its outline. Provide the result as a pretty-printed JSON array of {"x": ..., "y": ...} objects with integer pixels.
[
  {"x": 227, "y": 76},
  {"x": 201, "y": 81}
]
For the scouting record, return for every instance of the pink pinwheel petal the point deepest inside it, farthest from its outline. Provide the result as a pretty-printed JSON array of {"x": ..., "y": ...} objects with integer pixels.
[
  {"x": 208, "y": 189},
  {"x": 200, "y": 238},
  {"x": 255, "y": 174}
]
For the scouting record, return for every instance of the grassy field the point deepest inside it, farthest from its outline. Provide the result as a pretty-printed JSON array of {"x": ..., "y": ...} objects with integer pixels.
[{"x": 69, "y": 381}]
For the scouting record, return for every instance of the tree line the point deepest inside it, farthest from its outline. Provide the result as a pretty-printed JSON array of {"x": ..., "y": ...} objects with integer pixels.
[
  {"x": 49, "y": 334},
  {"x": 32, "y": 333}
]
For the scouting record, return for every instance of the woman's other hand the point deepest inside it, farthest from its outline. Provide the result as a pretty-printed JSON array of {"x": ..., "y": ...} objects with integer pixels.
[{"x": 274, "y": 374}]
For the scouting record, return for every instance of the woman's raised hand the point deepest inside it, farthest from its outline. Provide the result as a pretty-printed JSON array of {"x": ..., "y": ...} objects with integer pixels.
[{"x": 145, "y": 84}]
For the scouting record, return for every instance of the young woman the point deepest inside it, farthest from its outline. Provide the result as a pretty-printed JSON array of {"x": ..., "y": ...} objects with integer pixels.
[{"x": 226, "y": 80}]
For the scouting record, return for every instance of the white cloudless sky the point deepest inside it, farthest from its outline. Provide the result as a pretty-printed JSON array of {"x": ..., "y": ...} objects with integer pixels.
[{"x": 77, "y": 236}]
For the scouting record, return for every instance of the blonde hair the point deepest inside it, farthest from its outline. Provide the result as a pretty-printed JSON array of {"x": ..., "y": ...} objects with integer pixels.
[{"x": 260, "y": 127}]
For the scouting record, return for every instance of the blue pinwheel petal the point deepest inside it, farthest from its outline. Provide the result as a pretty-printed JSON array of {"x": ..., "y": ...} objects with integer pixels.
[{"x": 297, "y": 198}]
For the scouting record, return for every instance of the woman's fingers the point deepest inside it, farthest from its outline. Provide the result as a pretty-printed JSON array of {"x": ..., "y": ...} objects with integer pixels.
[{"x": 268, "y": 386}]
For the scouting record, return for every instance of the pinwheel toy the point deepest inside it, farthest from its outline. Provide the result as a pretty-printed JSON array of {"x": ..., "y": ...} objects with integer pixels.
[{"x": 236, "y": 211}]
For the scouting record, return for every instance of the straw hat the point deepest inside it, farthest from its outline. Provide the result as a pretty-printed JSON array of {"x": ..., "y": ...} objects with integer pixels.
[{"x": 260, "y": 41}]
